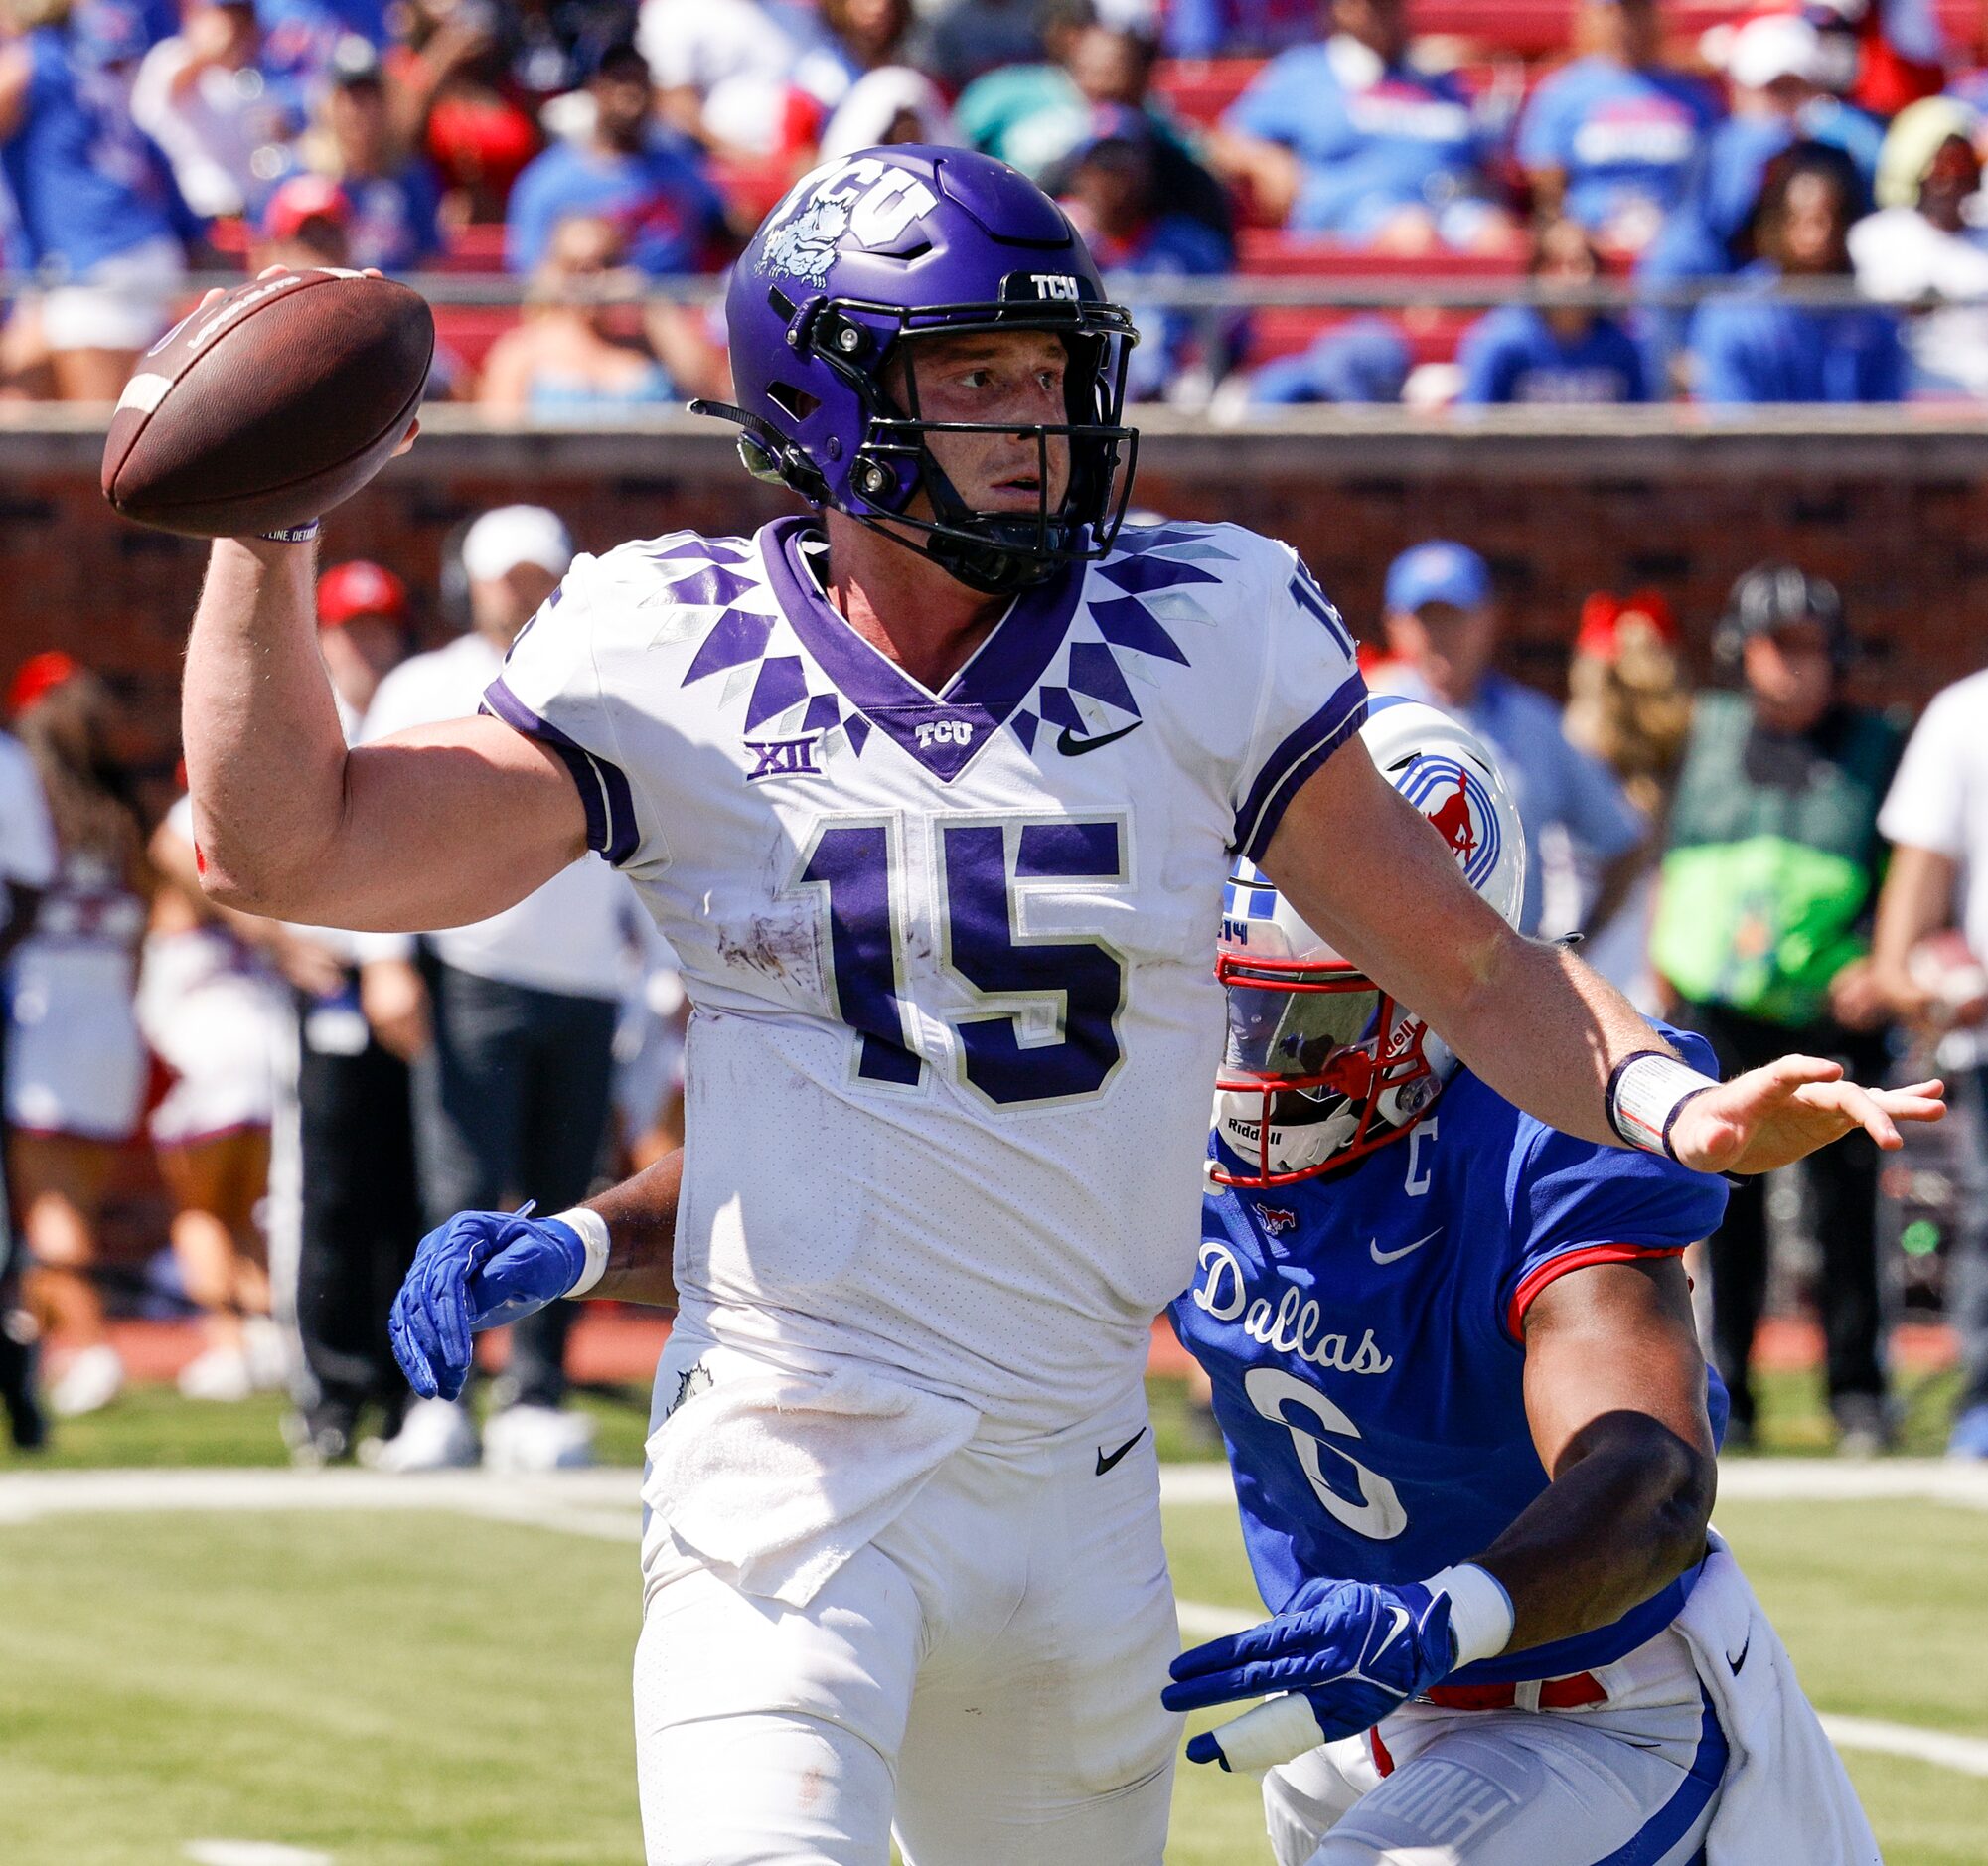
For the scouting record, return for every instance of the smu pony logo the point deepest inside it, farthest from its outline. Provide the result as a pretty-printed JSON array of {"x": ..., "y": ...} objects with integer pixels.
[
  {"x": 1456, "y": 799},
  {"x": 1276, "y": 1219},
  {"x": 867, "y": 203}
]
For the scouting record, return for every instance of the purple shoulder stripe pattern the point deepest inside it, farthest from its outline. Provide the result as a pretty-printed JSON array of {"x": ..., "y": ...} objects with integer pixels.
[
  {"x": 603, "y": 788},
  {"x": 1284, "y": 771}
]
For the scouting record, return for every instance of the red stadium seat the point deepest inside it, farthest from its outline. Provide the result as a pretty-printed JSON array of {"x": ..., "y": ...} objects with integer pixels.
[
  {"x": 478, "y": 247},
  {"x": 469, "y": 330},
  {"x": 1432, "y": 332},
  {"x": 1201, "y": 89}
]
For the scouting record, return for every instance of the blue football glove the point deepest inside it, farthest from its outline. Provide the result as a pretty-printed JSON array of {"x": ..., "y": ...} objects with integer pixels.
[
  {"x": 479, "y": 1270},
  {"x": 1344, "y": 1663}
]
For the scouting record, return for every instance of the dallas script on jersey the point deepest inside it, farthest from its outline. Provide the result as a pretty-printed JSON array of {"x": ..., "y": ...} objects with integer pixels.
[{"x": 1290, "y": 1329}]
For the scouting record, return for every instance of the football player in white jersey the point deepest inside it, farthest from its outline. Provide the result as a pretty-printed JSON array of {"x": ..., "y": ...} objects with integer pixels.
[{"x": 934, "y": 794}]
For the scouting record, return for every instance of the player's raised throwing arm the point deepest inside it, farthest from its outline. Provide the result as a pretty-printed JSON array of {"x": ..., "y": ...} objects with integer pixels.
[
  {"x": 1364, "y": 867},
  {"x": 433, "y": 828}
]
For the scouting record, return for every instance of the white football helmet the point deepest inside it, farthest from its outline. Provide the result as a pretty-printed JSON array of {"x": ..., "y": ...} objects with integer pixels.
[{"x": 1322, "y": 1065}]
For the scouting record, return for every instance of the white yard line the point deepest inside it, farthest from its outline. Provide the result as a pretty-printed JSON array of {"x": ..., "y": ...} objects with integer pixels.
[
  {"x": 251, "y": 1853},
  {"x": 604, "y": 1505},
  {"x": 1964, "y": 1486},
  {"x": 1967, "y": 1754}
]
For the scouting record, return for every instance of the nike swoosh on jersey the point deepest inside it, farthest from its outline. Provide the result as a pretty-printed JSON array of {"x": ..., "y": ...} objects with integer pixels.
[
  {"x": 1072, "y": 746},
  {"x": 1387, "y": 1257},
  {"x": 1105, "y": 1464},
  {"x": 1735, "y": 1663}
]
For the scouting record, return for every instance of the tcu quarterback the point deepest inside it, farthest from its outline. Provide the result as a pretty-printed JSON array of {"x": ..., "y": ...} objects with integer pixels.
[
  {"x": 1454, "y": 1363},
  {"x": 934, "y": 792}
]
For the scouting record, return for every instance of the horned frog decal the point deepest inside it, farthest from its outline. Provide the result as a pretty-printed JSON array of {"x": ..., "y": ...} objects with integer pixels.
[
  {"x": 867, "y": 203},
  {"x": 805, "y": 247}
]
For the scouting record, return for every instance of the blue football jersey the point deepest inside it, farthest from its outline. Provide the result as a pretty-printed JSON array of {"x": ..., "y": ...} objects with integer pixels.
[{"x": 1363, "y": 1333}]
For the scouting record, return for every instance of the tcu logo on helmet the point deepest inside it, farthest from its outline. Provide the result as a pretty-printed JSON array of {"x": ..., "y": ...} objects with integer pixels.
[
  {"x": 867, "y": 202},
  {"x": 944, "y": 732},
  {"x": 1457, "y": 802}
]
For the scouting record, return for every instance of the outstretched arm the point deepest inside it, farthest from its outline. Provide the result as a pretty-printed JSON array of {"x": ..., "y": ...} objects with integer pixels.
[
  {"x": 1365, "y": 869},
  {"x": 439, "y": 827}
]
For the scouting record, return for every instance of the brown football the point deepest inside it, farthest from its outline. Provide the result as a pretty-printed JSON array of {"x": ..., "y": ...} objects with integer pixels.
[{"x": 269, "y": 406}]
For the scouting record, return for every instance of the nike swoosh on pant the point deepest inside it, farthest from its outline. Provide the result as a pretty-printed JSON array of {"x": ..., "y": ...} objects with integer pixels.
[{"x": 1105, "y": 1464}]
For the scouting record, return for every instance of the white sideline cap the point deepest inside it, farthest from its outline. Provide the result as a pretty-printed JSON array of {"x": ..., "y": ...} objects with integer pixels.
[{"x": 503, "y": 539}]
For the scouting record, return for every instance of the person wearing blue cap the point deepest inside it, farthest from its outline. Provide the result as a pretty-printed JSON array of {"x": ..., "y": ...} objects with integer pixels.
[{"x": 1442, "y": 630}]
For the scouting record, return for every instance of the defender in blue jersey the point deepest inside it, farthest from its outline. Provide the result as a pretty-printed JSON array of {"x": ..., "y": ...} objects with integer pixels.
[{"x": 1453, "y": 1358}]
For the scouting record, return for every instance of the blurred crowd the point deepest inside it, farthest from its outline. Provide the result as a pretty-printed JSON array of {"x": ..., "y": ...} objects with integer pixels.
[
  {"x": 1757, "y": 857},
  {"x": 1820, "y": 160},
  {"x": 313, "y": 1099}
]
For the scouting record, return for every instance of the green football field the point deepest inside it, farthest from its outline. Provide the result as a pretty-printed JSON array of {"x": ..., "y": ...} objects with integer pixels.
[{"x": 278, "y": 1668}]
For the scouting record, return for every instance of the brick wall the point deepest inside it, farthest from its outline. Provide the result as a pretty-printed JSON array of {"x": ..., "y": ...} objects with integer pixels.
[{"x": 1898, "y": 516}]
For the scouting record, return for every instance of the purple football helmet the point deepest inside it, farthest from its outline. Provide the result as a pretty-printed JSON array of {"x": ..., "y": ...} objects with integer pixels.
[{"x": 892, "y": 243}]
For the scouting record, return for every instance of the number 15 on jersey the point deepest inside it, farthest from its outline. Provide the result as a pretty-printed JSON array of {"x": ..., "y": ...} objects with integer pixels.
[{"x": 1044, "y": 1026}]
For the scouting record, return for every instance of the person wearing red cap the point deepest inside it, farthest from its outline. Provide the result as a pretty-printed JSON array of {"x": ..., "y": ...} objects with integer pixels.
[
  {"x": 76, "y": 1067},
  {"x": 362, "y": 632},
  {"x": 361, "y": 1210},
  {"x": 304, "y": 223}
]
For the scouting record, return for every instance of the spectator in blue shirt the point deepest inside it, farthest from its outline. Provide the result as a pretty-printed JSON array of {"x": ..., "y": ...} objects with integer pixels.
[
  {"x": 1442, "y": 631},
  {"x": 1776, "y": 64},
  {"x": 1609, "y": 137},
  {"x": 1112, "y": 187},
  {"x": 1750, "y": 349},
  {"x": 300, "y": 37},
  {"x": 1552, "y": 353},
  {"x": 1351, "y": 139},
  {"x": 98, "y": 212},
  {"x": 647, "y": 182},
  {"x": 394, "y": 196}
]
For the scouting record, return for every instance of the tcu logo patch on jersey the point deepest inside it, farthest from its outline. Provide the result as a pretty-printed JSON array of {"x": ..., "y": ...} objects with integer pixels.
[
  {"x": 1457, "y": 801},
  {"x": 867, "y": 203},
  {"x": 944, "y": 732}
]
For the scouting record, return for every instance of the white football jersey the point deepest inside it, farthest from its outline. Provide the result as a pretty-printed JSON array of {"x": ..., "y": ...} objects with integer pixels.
[{"x": 954, "y": 1022}]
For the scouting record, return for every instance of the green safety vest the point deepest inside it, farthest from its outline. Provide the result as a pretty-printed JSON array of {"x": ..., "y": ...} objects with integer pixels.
[{"x": 1772, "y": 861}]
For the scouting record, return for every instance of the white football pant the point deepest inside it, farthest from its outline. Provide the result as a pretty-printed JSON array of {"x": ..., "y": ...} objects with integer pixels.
[
  {"x": 1634, "y": 1782},
  {"x": 983, "y": 1679}
]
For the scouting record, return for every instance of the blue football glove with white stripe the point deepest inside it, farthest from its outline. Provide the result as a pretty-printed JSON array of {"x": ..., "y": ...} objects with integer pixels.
[
  {"x": 479, "y": 1270},
  {"x": 1343, "y": 1665}
]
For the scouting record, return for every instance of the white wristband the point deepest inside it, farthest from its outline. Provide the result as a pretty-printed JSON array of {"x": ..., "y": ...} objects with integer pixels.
[
  {"x": 1480, "y": 1611},
  {"x": 591, "y": 1228},
  {"x": 1644, "y": 1096}
]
